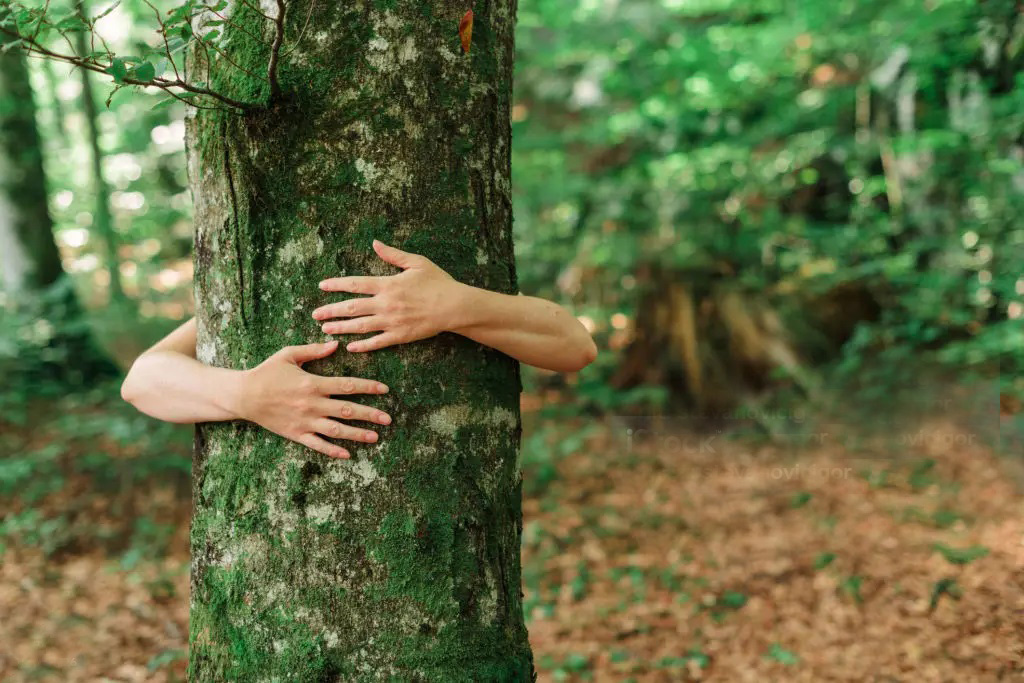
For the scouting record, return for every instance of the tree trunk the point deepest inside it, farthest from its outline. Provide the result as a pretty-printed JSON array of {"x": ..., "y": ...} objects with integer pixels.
[
  {"x": 103, "y": 222},
  {"x": 402, "y": 563},
  {"x": 30, "y": 266},
  {"x": 29, "y": 260}
]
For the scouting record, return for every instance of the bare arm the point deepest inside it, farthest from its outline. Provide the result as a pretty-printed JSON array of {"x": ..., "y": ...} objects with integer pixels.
[
  {"x": 423, "y": 300},
  {"x": 168, "y": 383}
]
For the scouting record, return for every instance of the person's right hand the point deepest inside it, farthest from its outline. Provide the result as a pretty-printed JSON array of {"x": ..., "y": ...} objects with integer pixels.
[{"x": 280, "y": 396}]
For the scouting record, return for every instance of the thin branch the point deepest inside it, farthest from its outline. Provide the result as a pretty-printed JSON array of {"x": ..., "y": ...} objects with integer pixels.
[
  {"x": 275, "y": 52},
  {"x": 163, "y": 36},
  {"x": 226, "y": 20},
  {"x": 42, "y": 16},
  {"x": 257, "y": 10},
  {"x": 302, "y": 33},
  {"x": 162, "y": 83},
  {"x": 230, "y": 61},
  {"x": 193, "y": 104}
]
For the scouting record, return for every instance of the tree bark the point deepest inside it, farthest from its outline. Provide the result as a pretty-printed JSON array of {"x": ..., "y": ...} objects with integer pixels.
[{"x": 402, "y": 563}]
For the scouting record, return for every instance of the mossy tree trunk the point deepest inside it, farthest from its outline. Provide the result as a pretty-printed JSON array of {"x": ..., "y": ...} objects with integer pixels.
[
  {"x": 402, "y": 563},
  {"x": 31, "y": 273}
]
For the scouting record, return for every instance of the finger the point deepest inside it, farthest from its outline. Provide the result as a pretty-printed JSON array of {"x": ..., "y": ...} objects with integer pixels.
[
  {"x": 340, "y": 430},
  {"x": 331, "y": 386},
  {"x": 364, "y": 305},
  {"x": 307, "y": 352},
  {"x": 396, "y": 257},
  {"x": 317, "y": 444},
  {"x": 346, "y": 410},
  {"x": 356, "y": 284},
  {"x": 367, "y": 323},
  {"x": 373, "y": 343}
]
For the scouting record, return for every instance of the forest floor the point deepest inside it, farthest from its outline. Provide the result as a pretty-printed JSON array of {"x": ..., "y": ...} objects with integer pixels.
[{"x": 675, "y": 557}]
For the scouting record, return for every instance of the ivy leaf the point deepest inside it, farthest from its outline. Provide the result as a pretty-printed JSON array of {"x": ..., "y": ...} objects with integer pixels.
[
  {"x": 466, "y": 30},
  {"x": 117, "y": 69},
  {"x": 145, "y": 71}
]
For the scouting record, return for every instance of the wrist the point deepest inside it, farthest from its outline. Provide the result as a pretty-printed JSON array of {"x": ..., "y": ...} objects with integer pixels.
[
  {"x": 233, "y": 393},
  {"x": 464, "y": 307}
]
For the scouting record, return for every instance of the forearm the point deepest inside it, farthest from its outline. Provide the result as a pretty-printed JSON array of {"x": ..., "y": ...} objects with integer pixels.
[
  {"x": 531, "y": 330},
  {"x": 173, "y": 387}
]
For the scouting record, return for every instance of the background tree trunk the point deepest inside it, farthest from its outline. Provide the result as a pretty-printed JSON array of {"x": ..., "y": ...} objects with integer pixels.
[
  {"x": 30, "y": 265},
  {"x": 403, "y": 563},
  {"x": 29, "y": 259},
  {"x": 103, "y": 221}
]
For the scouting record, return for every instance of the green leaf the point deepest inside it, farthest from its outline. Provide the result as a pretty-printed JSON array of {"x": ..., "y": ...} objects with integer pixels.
[
  {"x": 851, "y": 586},
  {"x": 962, "y": 556},
  {"x": 118, "y": 70},
  {"x": 800, "y": 499},
  {"x": 145, "y": 71},
  {"x": 781, "y": 655},
  {"x": 71, "y": 23},
  {"x": 106, "y": 11},
  {"x": 947, "y": 586},
  {"x": 823, "y": 560},
  {"x": 162, "y": 103},
  {"x": 732, "y": 600}
]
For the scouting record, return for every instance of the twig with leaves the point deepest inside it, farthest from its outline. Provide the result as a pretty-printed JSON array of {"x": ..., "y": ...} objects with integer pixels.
[{"x": 29, "y": 29}]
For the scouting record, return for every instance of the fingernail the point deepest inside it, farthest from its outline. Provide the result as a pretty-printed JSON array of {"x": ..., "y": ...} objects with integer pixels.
[
  {"x": 323, "y": 285},
  {"x": 316, "y": 315},
  {"x": 333, "y": 342},
  {"x": 382, "y": 388},
  {"x": 352, "y": 347},
  {"x": 343, "y": 454},
  {"x": 384, "y": 419},
  {"x": 371, "y": 436}
]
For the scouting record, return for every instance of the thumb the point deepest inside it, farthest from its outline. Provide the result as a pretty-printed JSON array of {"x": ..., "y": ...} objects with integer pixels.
[
  {"x": 395, "y": 257},
  {"x": 307, "y": 352}
]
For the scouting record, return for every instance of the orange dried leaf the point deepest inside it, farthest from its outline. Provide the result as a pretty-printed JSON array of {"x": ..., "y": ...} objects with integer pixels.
[{"x": 466, "y": 30}]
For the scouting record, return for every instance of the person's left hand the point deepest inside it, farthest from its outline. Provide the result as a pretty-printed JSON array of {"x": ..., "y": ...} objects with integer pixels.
[{"x": 415, "y": 304}]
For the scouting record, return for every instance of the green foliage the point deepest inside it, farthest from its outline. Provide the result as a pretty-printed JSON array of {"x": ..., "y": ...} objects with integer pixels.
[
  {"x": 782, "y": 655},
  {"x": 961, "y": 556},
  {"x": 823, "y": 560},
  {"x": 947, "y": 586},
  {"x": 801, "y": 150}
]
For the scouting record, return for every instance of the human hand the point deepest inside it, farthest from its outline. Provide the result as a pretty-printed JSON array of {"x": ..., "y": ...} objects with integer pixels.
[
  {"x": 285, "y": 399},
  {"x": 417, "y": 303}
]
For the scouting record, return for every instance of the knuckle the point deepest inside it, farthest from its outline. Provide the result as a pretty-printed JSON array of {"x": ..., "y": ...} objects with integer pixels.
[
  {"x": 346, "y": 411},
  {"x": 347, "y": 386}
]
